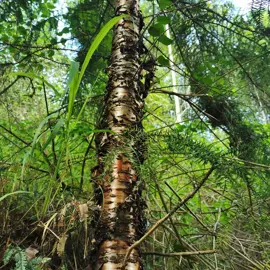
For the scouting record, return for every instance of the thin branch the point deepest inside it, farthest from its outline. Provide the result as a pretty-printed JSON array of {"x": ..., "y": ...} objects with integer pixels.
[
  {"x": 5, "y": 89},
  {"x": 84, "y": 161},
  {"x": 162, "y": 220},
  {"x": 189, "y": 210},
  {"x": 50, "y": 124},
  {"x": 161, "y": 89},
  {"x": 188, "y": 101},
  {"x": 187, "y": 253},
  {"x": 14, "y": 135}
]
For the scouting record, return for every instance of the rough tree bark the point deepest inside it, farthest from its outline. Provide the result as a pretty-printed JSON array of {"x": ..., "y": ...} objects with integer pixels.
[{"x": 118, "y": 190}]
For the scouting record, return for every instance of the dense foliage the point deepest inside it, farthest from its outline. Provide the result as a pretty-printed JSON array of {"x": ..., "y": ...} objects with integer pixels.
[{"x": 48, "y": 152}]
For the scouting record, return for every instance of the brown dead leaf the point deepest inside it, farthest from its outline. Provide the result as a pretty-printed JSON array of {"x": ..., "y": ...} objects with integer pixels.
[
  {"x": 61, "y": 245},
  {"x": 83, "y": 212},
  {"x": 31, "y": 253}
]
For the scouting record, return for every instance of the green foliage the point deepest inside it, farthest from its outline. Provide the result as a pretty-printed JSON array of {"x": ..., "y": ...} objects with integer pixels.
[
  {"x": 76, "y": 75},
  {"x": 13, "y": 193},
  {"x": 163, "y": 4},
  {"x": 52, "y": 93},
  {"x": 19, "y": 256}
]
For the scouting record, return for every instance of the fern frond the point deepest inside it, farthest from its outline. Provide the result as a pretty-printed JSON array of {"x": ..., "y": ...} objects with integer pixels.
[
  {"x": 258, "y": 8},
  {"x": 21, "y": 260}
]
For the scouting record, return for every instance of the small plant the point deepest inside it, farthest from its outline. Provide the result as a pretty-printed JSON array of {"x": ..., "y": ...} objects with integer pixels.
[{"x": 23, "y": 259}]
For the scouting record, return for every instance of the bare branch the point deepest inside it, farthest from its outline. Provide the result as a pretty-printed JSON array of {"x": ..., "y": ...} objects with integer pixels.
[
  {"x": 162, "y": 220},
  {"x": 187, "y": 253}
]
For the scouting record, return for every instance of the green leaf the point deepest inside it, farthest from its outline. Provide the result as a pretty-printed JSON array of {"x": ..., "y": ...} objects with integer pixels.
[
  {"x": 51, "y": 53},
  {"x": 65, "y": 30},
  {"x": 103, "y": 32},
  {"x": 180, "y": 127},
  {"x": 207, "y": 80},
  {"x": 201, "y": 68},
  {"x": 5, "y": 37},
  {"x": 13, "y": 193},
  {"x": 262, "y": 42},
  {"x": 165, "y": 40},
  {"x": 38, "y": 131},
  {"x": 156, "y": 30},
  {"x": 72, "y": 81},
  {"x": 164, "y": 4},
  {"x": 215, "y": 89},
  {"x": 50, "y": 6},
  {"x": 75, "y": 83},
  {"x": 22, "y": 30},
  {"x": 35, "y": 140},
  {"x": 265, "y": 19},
  {"x": 153, "y": 31},
  {"x": 163, "y": 20},
  {"x": 163, "y": 61},
  {"x": 56, "y": 129},
  {"x": 53, "y": 41},
  {"x": 21, "y": 260}
]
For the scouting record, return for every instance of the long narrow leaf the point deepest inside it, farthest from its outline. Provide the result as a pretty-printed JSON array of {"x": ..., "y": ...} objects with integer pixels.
[
  {"x": 37, "y": 133},
  {"x": 13, "y": 193},
  {"x": 72, "y": 81},
  {"x": 103, "y": 32},
  {"x": 75, "y": 83},
  {"x": 35, "y": 140},
  {"x": 57, "y": 127}
]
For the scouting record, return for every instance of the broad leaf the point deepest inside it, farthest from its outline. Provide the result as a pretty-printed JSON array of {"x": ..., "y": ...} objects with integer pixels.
[
  {"x": 163, "y": 20},
  {"x": 163, "y": 61},
  {"x": 164, "y": 4},
  {"x": 165, "y": 40}
]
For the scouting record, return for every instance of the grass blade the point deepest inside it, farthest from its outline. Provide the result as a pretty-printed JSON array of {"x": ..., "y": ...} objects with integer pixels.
[
  {"x": 77, "y": 76},
  {"x": 13, "y": 193},
  {"x": 57, "y": 127}
]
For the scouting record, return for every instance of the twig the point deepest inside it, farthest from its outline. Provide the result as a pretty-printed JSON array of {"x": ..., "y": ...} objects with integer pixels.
[
  {"x": 14, "y": 135},
  {"x": 84, "y": 161},
  {"x": 5, "y": 89},
  {"x": 49, "y": 122},
  {"x": 161, "y": 90},
  {"x": 162, "y": 220},
  {"x": 241, "y": 254},
  {"x": 215, "y": 235},
  {"x": 186, "y": 253},
  {"x": 189, "y": 210}
]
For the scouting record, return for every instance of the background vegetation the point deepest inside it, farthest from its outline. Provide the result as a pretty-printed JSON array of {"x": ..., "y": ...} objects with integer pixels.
[{"x": 47, "y": 150}]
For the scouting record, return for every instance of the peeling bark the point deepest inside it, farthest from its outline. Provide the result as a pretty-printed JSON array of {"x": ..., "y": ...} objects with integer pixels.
[{"x": 118, "y": 190}]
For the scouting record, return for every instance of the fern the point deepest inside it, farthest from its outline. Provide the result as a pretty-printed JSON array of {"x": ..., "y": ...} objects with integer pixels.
[
  {"x": 9, "y": 254},
  {"x": 21, "y": 260},
  {"x": 18, "y": 255},
  {"x": 258, "y": 8}
]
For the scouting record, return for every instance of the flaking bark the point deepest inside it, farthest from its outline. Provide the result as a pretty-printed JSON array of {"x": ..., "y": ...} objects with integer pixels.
[{"x": 120, "y": 221}]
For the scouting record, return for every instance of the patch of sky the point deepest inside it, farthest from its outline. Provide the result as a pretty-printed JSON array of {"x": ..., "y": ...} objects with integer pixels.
[
  {"x": 71, "y": 46},
  {"x": 242, "y": 6}
]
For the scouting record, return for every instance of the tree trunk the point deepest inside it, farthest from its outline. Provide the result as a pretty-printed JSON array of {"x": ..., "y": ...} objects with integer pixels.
[{"x": 118, "y": 190}]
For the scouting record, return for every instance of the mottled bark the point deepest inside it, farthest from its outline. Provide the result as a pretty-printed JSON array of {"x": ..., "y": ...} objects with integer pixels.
[{"x": 120, "y": 221}]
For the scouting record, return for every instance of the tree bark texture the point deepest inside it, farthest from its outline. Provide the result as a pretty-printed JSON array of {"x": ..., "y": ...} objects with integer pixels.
[{"x": 118, "y": 190}]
